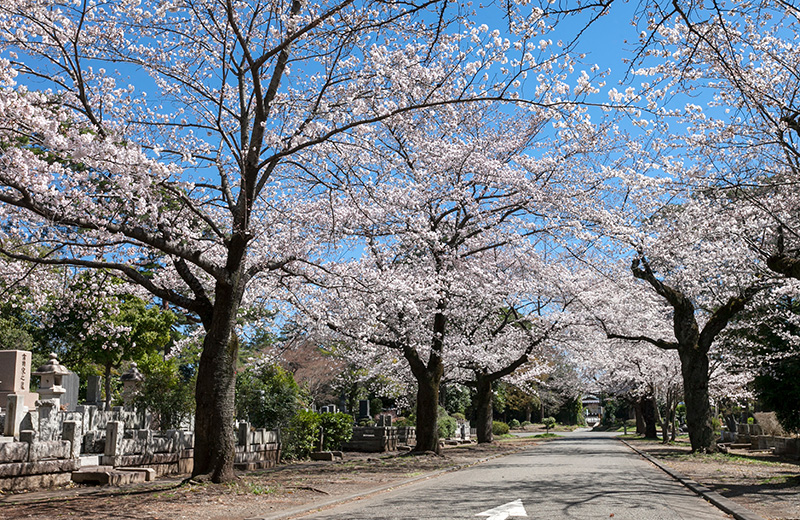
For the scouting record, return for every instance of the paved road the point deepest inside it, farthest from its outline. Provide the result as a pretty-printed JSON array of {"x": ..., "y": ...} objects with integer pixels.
[{"x": 582, "y": 476}]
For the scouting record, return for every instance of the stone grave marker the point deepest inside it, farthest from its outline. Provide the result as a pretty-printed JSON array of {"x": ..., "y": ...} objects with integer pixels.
[
  {"x": 94, "y": 390},
  {"x": 15, "y": 377},
  {"x": 71, "y": 382},
  {"x": 363, "y": 409}
]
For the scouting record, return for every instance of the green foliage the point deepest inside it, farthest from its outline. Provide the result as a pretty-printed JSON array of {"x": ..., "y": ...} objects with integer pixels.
[
  {"x": 777, "y": 384},
  {"x": 549, "y": 422},
  {"x": 499, "y": 428},
  {"x": 458, "y": 416},
  {"x": 166, "y": 391},
  {"x": 716, "y": 424},
  {"x": 301, "y": 435},
  {"x": 572, "y": 412},
  {"x": 779, "y": 390},
  {"x": 525, "y": 424},
  {"x": 457, "y": 398},
  {"x": 447, "y": 424},
  {"x": 375, "y": 405},
  {"x": 405, "y": 421},
  {"x": 267, "y": 396},
  {"x": 750, "y": 420},
  {"x": 513, "y": 423},
  {"x": 337, "y": 429},
  {"x": 610, "y": 409}
]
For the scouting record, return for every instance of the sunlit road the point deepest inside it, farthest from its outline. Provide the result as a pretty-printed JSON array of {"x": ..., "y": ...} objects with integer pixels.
[{"x": 583, "y": 476}]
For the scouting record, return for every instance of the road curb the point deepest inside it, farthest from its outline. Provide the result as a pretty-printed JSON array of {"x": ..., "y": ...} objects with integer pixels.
[
  {"x": 727, "y": 505},
  {"x": 304, "y": 510}
]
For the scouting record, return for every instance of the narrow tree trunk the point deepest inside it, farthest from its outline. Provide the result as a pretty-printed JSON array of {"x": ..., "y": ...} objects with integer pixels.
[
  {"x": 649, "y": 418},
  {"x": 694, "y": 367},
  {"x": 483, "y": 397},
  {"x": 107, "y": 384},
  {"x": 428, "y": 413}
]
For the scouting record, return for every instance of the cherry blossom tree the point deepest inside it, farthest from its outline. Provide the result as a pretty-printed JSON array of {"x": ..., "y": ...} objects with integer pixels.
[
  {"x": 166, "y": 141},
  {"x": 699, "y": 274},
  {"x": 448, "y": 219}
]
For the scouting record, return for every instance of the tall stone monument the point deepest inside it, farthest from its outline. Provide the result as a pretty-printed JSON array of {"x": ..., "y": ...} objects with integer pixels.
[{"x": 15, "y": 377}]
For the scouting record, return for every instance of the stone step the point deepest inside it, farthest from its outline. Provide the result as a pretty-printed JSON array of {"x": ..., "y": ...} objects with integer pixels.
[{"x": 110, "y": 476}]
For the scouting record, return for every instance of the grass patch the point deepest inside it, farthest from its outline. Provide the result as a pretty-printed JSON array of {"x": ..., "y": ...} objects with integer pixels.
[
  {"x": 247, "y": 487},
  {"x": 543, "y": 436},
  {"x": 782, "y": 480},
  {"x": 723, "y": 458}
]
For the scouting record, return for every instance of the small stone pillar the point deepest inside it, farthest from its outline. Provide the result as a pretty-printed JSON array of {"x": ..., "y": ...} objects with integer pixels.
[
  {"x": 51, "y": 374},
  {"x": 73, "y": 432},
  {"x": 14, "y": 414},
  {"x": 131, "y": 381},
  {"x": 115, "y": 431}
]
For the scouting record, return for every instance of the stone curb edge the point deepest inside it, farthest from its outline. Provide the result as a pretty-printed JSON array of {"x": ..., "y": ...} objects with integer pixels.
[
  {"x": 739, "y": 512},
  {"x": 304, "y": 510}
]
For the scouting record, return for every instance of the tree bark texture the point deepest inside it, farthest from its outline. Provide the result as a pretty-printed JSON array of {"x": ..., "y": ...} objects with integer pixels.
[
  {"x": 649, "y": 418},
  {"x": 694, "y": 367},
  {"x": 428, "y": 413},
  {"x": 484, "y": 409},
  {"x": 637, "y": 409},
  {"x": 215, "y": 440}
]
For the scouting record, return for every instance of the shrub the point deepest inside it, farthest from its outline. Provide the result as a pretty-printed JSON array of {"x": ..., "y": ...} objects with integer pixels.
[
  {"x": 525, "y": 424},
  {"x": 514, "y": 423},
  {"x": 549, "y": 422},
  {"x": 458, "y": 416},
  {"x": 166, "y": 391},
  {"x": 301, "y": 435},
  {"x": 447, "y": 425},
  {"x": 267, "y": 396},
  {"x": 716, "y": 424},
  {"x": 337, "y": 429},
  {"x": 404, "y": 421},
  {"x": 499, "y": 428},
  {"x": 375, "y": 406}
]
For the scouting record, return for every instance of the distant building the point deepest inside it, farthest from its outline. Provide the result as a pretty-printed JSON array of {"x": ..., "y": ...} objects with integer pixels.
[{"x": 592, "y": 409}]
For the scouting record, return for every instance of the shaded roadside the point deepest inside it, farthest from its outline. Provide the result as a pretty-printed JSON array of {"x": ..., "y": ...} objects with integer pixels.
[
  {"x": 256, "y": 493},
  {"x": 764, "y": 483}
]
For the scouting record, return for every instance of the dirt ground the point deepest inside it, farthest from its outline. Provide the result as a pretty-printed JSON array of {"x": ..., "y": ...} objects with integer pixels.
[
  {"x": 260, "y": 493},
  {"x": 764, "y": 483}
]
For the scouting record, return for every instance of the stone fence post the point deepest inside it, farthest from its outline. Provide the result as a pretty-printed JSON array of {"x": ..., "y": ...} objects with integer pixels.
[
  {"x": 115, "y": 431},
  {"x": 73, "y": 432},
  {"x": 14, "y": 414}
]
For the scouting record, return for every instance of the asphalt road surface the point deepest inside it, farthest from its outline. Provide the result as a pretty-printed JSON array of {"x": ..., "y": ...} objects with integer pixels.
[{"x": 582, "y": 476}]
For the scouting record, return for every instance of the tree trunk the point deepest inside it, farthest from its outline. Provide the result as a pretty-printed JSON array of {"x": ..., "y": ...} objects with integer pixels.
[
  {"x": 215, "y": 440},
  {"x": 637, "y": 410},
  {"x": 483, "y": 411},
  {"x": 107, "y": 386},
  {"x": 649, "y": 418},
  {"x": 694, "y": 367},
  {"x": 428, "y": 413}
]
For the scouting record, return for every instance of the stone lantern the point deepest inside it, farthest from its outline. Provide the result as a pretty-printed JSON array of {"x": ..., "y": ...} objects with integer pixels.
[
  {"x": 51, "y": 374},
  {"x": 131, "y": 381}
]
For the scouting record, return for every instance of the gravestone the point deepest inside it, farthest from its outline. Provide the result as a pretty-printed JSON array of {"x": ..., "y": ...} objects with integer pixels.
[
  {"x": 94, "y": 390},
  {"x": 363, "y": 409},
  {"x": 71, "y": 382},
  {"x": 15, "y": 377}
]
